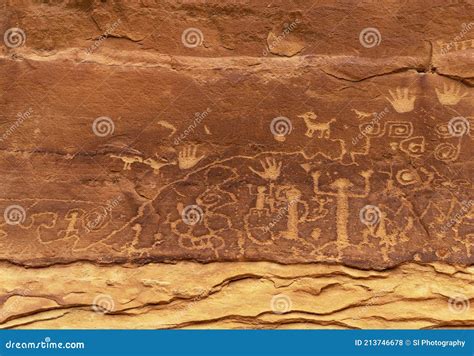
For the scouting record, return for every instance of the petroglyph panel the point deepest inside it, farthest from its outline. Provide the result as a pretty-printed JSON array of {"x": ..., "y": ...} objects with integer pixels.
[{"x": 298, "y": 152}]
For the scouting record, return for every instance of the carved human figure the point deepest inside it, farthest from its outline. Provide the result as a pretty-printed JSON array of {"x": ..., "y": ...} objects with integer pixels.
[
  {"x": 341, "y": 191},
  {"x": 260, "y": 203},
  {"x": 293, "y": 196}
]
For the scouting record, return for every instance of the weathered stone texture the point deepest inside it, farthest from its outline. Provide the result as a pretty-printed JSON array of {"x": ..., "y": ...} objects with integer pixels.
[{"x": 336, "y": 134}]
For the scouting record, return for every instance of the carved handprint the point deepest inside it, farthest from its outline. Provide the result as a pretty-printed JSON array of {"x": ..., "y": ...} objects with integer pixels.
[
  {"x": 187, "y": 157},
  {"x": 366, "y": 174},
  {"x": 451, "y": 95},
  {"x": 271, "y": 169},
  {"x": 401, "y": 100}
]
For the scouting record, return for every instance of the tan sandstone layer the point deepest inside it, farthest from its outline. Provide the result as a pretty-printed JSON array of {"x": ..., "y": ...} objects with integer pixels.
[{"x": 236, "y": 295}]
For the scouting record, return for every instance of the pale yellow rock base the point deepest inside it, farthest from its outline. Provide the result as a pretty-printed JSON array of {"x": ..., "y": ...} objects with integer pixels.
[{"x": 236, "y": 295}]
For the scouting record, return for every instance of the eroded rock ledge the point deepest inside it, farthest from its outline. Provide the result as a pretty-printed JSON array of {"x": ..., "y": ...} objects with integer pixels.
[{"x": 235, "y": 295}]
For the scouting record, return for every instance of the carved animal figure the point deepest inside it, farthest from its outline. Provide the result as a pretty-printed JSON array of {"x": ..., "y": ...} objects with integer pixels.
[
  {"x": 168, "y": 126},
  {"x": 363, "y": 115},
  {"x": 323, "y": 127},
  {"x": 157, "y": 165},
  {"x": 128, "y": 160}
]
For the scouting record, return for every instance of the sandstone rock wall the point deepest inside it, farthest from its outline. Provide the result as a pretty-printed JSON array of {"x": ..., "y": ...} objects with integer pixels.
[{"x": 163, "y": 161}]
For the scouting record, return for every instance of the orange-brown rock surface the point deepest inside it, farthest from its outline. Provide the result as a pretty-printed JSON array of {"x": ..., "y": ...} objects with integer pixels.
[{"x": 291, "y": 150}]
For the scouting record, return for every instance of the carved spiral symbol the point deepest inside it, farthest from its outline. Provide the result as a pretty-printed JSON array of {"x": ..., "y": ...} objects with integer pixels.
[
  {"x": 400, "y": 130},
  {"x": 370, "y": 37},
  {"x": 458, "y": 304},
  {"x": 192, "y": 37},
  {"x": 406, "y": 177},
  {"x": 446, "y": 152},
  {"x": 103, "y": 303},
  {"x": 280, "y": 127},
  {"x": 14, "y": 37},
  {"x": 103, "y": 126},
  {"x": 14, "y": 214},
  {"x": 458, "y": 126},
  {"x": 370, "y": 215},
  {"x": 192, "y": 214},
  {"x": 280, "y": 304},
  {"x": 95, "y": 219}
]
